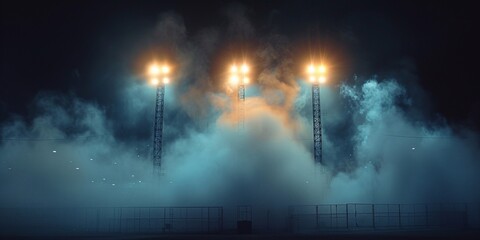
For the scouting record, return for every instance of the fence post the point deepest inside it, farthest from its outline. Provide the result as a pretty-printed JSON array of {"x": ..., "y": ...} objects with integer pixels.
[
  {"x": 98, "y": 220},
  {"x": 388, "y": 215},
  {"x": 373, "y": 215},
  {"x": 149, "y": 220},
  {"x": 443, "y": 218},
  {"x": 121, "y": 211},
  {"x": 221, "y": 219},
  {"x": 426, "y": 215},
  {"x": 290, "y": 219},
  {"x": 268, "y": 219},
  {"x": 356, "y": 223},
  {"x": 336, "y": 215},
  {"x": 208, "y": 219},
  {"x": 399, "y": 217},
  {"x": 164, "y": 218},
  {"x": 331, "y": 216},
  {"x": 346, "y": 211}
]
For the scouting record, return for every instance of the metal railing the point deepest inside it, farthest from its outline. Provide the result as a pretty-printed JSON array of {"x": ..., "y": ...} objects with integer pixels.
[
  {"x": 383, "y": 216},
  {"x": 112, "y": 220},
  {"x": 299, "y": 218}
]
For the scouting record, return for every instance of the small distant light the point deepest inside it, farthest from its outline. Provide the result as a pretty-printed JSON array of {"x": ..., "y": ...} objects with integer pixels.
[
  {"x": 113, "y": 184},
  {"x": 306, "y": 182},
  {"x": 54, "y": 151},
  {"x": 233, "y": 69},
  {"x": 115, "y": 163},
  {"x": 413, "y": 148},
  {"x": 77, "y": 168},
  {"x": 9, "y": 168},
  {"x": 246, "y": 80},
  {"x": 139, "y": 181},
  {"x": 133, "y": 175},
  {"x": 91, "y": 159},
  {"x": 312, "y": 79},
  {"x": 154, "y": 81},
  {"x": 166, "y": 80},
  {"x": 104, "y": 179},
  {"x": 92, "y": 181}
]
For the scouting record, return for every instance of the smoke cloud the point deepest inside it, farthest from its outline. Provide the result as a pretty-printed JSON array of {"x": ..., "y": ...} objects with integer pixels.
[{"x": 375, "y": 149}]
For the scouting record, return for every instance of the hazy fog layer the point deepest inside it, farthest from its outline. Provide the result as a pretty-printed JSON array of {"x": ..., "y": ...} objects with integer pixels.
[{"x": 378, "y": 144}]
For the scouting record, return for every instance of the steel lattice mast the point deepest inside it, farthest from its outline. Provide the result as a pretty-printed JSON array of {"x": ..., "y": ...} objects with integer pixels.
[
  {"x": 158, "y": 129},
  {"x": 316, "y": 77},
  {"x": 241, "y": 106},
  {"x": 159, "y": 78},
  {"x": 317, "y": 123}
]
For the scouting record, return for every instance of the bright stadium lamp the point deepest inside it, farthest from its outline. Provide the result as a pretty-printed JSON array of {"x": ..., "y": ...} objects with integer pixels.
[
  {"x": 157, "y": 72},
  {"x": 317, "y": 74}
]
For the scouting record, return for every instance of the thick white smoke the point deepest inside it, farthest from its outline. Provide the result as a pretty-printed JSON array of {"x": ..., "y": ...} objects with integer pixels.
[
  {"x": 399, "y": 160},
  {"x": 265, "y": 164}
]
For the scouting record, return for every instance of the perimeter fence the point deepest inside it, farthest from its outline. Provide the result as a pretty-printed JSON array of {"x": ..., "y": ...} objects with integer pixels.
[
  {"x": 112, "y": 220},
  {"x": 304, "y": 218},
  {"x": 241, "y": 219}
]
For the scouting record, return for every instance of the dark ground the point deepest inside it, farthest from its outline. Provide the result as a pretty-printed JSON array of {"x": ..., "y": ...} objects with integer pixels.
[{"x": 427, "y": 234}]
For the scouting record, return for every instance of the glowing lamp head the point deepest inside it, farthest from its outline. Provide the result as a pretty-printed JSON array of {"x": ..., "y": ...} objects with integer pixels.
[
  {"x": 245, "y": 68},
  {"x": 238, "y": 74},
  {"x": 165, "y": 69},
  {"x": 311, "y": 69},
  {"x": 154, "y": 81},
  {"x": 154, "y": 70},
  {"x": 322, "y": 79},
  {"x": 234, "y": 79},
  {"x": 322, "y": 69},
  {"x": 166, "y": 80},
  {"x": 317, "y": 73}
]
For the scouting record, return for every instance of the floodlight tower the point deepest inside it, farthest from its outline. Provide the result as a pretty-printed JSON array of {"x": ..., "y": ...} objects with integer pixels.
[
  {"x": 159, "y": 78},
  {"x": 317, "y": 77},
  {"x": 239, "y": 78}
]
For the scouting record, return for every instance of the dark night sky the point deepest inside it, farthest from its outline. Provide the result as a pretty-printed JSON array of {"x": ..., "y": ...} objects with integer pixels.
[{"x": 73, "y": 47}]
